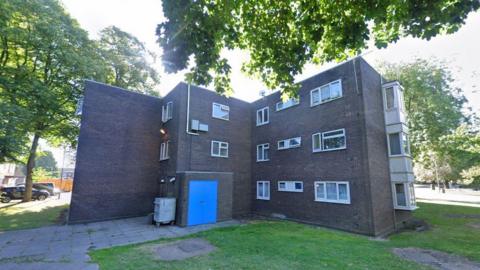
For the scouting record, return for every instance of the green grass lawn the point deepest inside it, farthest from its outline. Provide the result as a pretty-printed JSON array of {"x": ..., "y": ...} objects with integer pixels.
[
  {"x": 17, "y": 216},
  {"x": 288, "y": 245}
]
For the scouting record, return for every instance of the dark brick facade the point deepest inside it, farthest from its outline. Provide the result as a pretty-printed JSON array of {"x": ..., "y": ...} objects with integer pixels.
[
  {"x": 363, "y": 164},
  {"x": 117, "y": 157}
]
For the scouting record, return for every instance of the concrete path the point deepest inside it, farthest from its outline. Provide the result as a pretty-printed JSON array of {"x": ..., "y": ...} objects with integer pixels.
[
  {"x": 462, "y": 196},
  {"x": 66, "y": 247}
]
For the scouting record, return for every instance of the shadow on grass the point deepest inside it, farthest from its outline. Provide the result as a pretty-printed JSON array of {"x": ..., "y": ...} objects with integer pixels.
[
  {"x": 12, "y": 219},
  {"x": 9, "y": 205}
]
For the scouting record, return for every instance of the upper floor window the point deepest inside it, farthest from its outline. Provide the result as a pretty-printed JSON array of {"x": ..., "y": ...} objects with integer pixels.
[
  {"x": 322, "y": 94},
  {"x": 335, "y": 192},
  {"x": 220, "y": 111},
  {"x": 263, "y": 190},
  {"x": 219, "y": 149},
  {"x": 289, "y": 143},
  {"x": 290, "y": 186},
  {"x": 167, "y": 111},
  {"x": 164, "y": 150},
  {"x": 262, "y": 152},
  {"x": 393, "y": 97},
  {"x": 287, "y": 104},
  {"x": 330, "y": 140},
  {"x": 398, "y": 144},
  {"x": 262, "y": 116}
]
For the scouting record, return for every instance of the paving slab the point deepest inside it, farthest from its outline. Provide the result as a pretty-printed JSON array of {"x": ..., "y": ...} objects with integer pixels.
[{"x": 66, "y": 247}]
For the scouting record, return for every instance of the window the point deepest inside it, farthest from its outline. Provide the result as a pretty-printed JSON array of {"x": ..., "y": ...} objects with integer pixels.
[
  {"x": 389, "y": 98},
  {"x": 403, "y": 196},
  {"x": 328, "y": 141},
  {"x": 334, "y": 192},
  {"x": 164, "y": 150},
  {"x": 262, "y": 152},
  {"x": 219, "y": 149},
  {"x": 325, "y": 93},
  {"x": 289, "y": 143},
  {"x": 290, "y": 186},
  {"x": 398, "y": 144},
  {"x": 262, "y": 116},
  {"x": 220, "y": 111},
  {"x": 167, "y": 112},
  {"x": 287, "y": 104},
  {"x": 263, "y": 190}
]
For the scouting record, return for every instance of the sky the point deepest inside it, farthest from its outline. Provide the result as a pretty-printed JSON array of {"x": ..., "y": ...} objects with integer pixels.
[{"x": 460, "y": 50}]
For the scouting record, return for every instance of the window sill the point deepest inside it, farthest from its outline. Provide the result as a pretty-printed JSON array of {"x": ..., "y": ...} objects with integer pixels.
[
  {"x": 332, "y": 201},
  {"x": 329, "y": 150},
  {"x": 263, "y": 199},
  {"x": 264, "y": 160},
  {"x": 263, "y": 124},
  {"x": 294, "y": 191},
  {"x": 163, "y": 159},
  {"x": 406, "y": 208},
  {"x": 221, "y": 118},
  {"x": 327, "y": 101},
  {"x": 219, "y": 156},
  {"x": 400, "y": 155}
]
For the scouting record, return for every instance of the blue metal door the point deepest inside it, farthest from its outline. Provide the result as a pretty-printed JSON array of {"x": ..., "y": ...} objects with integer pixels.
[{"x": 202, "y": 202}]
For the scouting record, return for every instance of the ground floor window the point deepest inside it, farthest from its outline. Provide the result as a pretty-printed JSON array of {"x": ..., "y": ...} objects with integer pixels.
[
  {"x": 334, "y": 192},
  {"x": 404, "y": 195},
  {"x": 290, "y": 186},
  {"x": 263, "y": 190}
]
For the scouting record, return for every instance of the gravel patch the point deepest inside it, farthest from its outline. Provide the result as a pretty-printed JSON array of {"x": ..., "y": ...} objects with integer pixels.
[{"x": 436, "y": 259}]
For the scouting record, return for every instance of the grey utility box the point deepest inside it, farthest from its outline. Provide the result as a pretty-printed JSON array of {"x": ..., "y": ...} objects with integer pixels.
[{"x": 164, "y": 210}]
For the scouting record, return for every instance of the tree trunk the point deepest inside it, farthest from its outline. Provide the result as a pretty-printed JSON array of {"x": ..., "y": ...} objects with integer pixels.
[{"x": 30, "y": 165}]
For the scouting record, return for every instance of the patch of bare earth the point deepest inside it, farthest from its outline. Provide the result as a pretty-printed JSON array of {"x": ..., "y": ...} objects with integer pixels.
[
  {"x": 436, "y": 259},
  {"x": 181, "y": 250},
  {"x": 475, "y": 225}
]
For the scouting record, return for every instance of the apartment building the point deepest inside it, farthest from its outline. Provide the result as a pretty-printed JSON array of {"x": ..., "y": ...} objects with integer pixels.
[{"x": 336, "y": 156}]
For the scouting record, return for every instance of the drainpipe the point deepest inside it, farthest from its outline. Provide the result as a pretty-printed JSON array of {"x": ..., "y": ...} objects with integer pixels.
[{"x": 188, "y": 113}]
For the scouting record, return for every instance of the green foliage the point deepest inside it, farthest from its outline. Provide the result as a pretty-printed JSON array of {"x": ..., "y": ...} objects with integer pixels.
[
  {"x": 129, "y": 62},
  {"x": 461, "y": 149},
  {"x": 40, "y": 174},
  {"x": 471, "y": 176},
  {"x": 433, "y": 105},
  {"x": 46, "y": 161},
  {"x": 282, "y": 36}
]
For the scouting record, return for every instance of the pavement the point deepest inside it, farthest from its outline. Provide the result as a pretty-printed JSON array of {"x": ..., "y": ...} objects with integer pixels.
[
  {"x": 453, "y": 196},
  {"x": 66, "y": 247}
]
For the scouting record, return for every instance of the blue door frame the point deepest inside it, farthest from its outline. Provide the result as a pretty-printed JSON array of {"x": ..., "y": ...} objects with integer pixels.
[{"x": 202, "y": 202}]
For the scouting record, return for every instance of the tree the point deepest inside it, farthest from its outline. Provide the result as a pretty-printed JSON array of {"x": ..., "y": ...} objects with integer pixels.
[
  {"x": 282, "y": 36},
  {"x": 433, "y": 105},
  {"x": 44, "y": 57},
  {"x": 129, "y": 62},
  {"x": 46, "y": 161}
]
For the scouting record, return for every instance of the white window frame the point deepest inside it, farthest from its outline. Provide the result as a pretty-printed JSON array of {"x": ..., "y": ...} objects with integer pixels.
[
  {"x": 403, "y": 144},
  {"x": 264, "y": 195},
  {"x": 289, "y": 186},
  {"x": 398, "y": 102},
  {"x": 164, "y": 150},
  {"x": 317, "y": 199},
  {"x": 287, "y": 143},
  {"x": 409, "y": 192},
  {"x": 167, "y": 112},
  {"x": 318, "y": 90},
  {"x": 287, "y": 104},
  {"x": 262, "y": 147},
  {"x": 263, "y": 111},
  {"x": 221, "y": 107},
  {"x": 221, "y": 145},
  {"x": 321, "y": 136}
]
